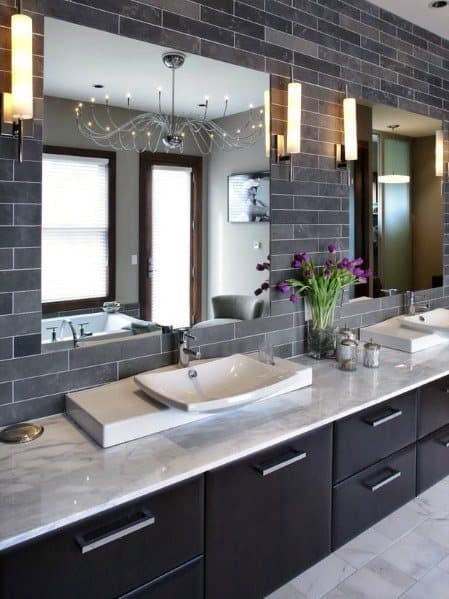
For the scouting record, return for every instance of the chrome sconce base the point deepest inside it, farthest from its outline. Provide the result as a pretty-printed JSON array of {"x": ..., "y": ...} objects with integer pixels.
[
  {"x": 18, "y": 129},
  {"x": 281, "y": 157}
]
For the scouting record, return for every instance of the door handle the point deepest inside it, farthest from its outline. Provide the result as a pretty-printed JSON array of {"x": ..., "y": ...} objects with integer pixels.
[
  {"x": 102, "y": 536},
  {"x": 386, "y": 416},
  {"x": 376, "y": 484},
  {"x": 273, "y": 465},
  {"x": 150, "y": 268}
]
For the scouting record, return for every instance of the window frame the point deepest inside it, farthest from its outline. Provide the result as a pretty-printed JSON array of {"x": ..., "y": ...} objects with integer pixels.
[{"x": 92, "y": 302}]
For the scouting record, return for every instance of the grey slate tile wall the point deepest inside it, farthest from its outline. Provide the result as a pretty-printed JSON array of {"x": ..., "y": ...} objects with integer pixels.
[{"x": 330, "y": 44}]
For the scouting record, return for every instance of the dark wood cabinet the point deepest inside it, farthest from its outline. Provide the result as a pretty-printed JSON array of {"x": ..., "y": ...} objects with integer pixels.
[
  {"x": 110, "y": 555},
  {"x": 433, "y": 412},
  {"x": 373, "y": 434},
  {"x": 365, "y": 498},
  {"x": 268, "y": 517},
  {"x": 432, "y": 460}
]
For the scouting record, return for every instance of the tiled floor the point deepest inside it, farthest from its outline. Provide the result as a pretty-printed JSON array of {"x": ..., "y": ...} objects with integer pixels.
[{"x": 405, "y": 555}]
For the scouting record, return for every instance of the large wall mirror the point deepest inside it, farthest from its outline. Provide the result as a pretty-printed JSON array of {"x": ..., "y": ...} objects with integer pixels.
[
  {"x": 156, "y": 188},
  {"x": 395, "y": 203}
]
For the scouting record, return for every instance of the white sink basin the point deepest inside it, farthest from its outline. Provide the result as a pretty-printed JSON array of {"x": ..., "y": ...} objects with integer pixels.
[
  {"x": 391, "y": 333},
  {"x": 433, "y": 321},
  {"x": 223, "y": 384}
]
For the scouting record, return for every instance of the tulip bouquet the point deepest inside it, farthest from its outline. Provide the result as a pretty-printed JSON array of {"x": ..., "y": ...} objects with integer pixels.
[{"x": 323, "y": 285}]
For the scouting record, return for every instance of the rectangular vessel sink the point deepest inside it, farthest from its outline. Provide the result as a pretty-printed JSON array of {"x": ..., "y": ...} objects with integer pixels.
[
  {"x": 391, "y": 333},
  {"x": 433, "y": 321},
  {"x": 223, "y": 384}
]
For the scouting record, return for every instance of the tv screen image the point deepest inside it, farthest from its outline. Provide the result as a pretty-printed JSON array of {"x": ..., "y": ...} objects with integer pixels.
[{"x": 249, "y": 198}]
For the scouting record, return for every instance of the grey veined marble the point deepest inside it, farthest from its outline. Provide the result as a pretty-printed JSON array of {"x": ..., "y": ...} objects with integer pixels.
[{"x": 63, "y": 476}]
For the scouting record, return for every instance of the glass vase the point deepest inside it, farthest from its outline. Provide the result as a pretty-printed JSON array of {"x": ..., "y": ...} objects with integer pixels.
[{"x": 321, "y": 341}]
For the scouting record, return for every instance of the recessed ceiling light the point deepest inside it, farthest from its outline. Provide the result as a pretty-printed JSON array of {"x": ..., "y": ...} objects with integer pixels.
[
  {"x": 438, "y": 4},
  {"x": 98, "y": 85}
]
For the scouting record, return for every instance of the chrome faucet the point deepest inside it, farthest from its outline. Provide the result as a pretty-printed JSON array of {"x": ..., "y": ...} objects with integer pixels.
[
  {"x": 69, "y": 323},
  {"x": 185, "y": 353},
  {"x": 412, "y": 307}
]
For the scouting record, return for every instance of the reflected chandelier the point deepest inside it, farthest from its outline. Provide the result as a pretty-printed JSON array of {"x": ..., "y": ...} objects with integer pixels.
[{"x": 152, "y": 131}]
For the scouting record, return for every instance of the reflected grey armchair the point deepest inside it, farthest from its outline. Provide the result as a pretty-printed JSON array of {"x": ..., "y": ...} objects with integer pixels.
[{"x": 238, "y": 307}]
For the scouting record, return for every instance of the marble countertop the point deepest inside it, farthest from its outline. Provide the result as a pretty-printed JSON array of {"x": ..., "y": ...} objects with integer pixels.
[{"x": 63, "y": 476}]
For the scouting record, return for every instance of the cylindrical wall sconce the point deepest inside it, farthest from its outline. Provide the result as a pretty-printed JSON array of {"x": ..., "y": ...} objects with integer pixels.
[
  {"x": 294, "y": 118},
  {"x": 267, "y": 118},
  {"x": 439, "y": 153},
  {"x": 22, "y": 66},
  {"x": 350, "y": 128}
]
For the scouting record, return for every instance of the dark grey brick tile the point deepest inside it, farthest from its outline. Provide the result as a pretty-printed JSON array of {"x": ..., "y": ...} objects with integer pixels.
[
  {"x": 280, "y": 38},
  {"x": 428, "y": 99},
  {"x": 317, "y": 64},
  {"x": 213, "y": 334},
  {"x": 27, "y": 345},
  {"x": 330, "y": 217},
  {"x": 262, "y": 18},
  {"x": 19, "y": 324},
  {"x": 186, "y": 8},
  {"x": 6, "y": 215},
  {"x": 290, "y": 246},
  {"x": 30, "y": 172},
  {"x": 291, "y": 13},
  {"x": 294, "y": 217},
  {"x": 343, "y": 34},
  {"x": 413, "y": 39},
  {"x": 6, "y": 259},
  {"x": 304, "y": 231},
  {"x": 126, "y": 8},
  {"x": 19, "y": 193},
  {"x": 245, "y": 345},
  {"x": 5, "y": 303},
  {"x": 359, "y": 52},
  {"x": 283, "y": 351},
  {"x": 224, "y": 5},
  {"x": 27, "y": 258},
  {"x": 397, "y": 90},
  {"x": 33, "y": 366},
  {"x": 281, "y": 232},
  {"x": 6, "y": 393},
  {"x": 157, "y": 35},
  {"x": 319, "y": 37},
  {"x": 378, "y": 24},
  {"x": 138, "y": 365},
  {"x": 6, "y": 170},
  {"x": 244, "y": 42},
  {"x": 20, "y": 236},
  {"x": 19, "y": 280},
  {"x": 63, "y": 382},
  {"x": 196, "y": 28},
  {"x": 26, "y": 214},
  {"x": 215, "y": 17},
  {"x": 27, "y": 301},
  {"x": 6, "y": 348},
  {"x": 80, "y": 15},
  {"x": 339, "y": 58},
  {"x": 232, "y": 55},
  {"x": 27, "y": 410}
]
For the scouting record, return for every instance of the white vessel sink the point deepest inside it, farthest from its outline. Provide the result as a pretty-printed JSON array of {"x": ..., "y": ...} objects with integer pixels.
[
  {"x": 391, "y": 333},
  {"x": 433, "y": 321},
  {"x": 223, "y": 384}
]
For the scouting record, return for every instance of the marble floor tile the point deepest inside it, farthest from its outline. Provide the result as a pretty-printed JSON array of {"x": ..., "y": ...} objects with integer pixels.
[
  {"x": 415, "y": 555},
  {"x": 288, "y": 591},
  {"x": 444, "y": 564},
  {"x": 402, "y": 521},
  {"x": 377, "y": 580},
  {"x": 436, "y": 529},
  {"x": 435, "y": 501},
  {"x": 434, "y": 585},
  {"x": 364, "y": 548},
  {"x": 323, "y": 577}
]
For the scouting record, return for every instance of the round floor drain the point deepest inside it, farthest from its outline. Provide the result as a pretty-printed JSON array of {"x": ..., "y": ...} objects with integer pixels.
[{"x": 21, "y": 433}]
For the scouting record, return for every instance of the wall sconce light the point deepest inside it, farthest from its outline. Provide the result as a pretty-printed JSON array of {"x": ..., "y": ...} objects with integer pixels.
[
  {"x": 439, "y": 153},
  {"x": 17, "y": 105},
  {"x": 267, "y": 119},
  {"x": 286, "y": 148},
  {"x": 350, "y": 149}
]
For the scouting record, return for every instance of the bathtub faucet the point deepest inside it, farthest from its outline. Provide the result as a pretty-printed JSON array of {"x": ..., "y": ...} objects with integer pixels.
[{"x": 67, "y": 322}]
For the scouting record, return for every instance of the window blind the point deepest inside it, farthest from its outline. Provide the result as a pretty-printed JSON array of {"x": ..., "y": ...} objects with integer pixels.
[
  {"x": 75, "y": 221},
  {"x": 171, "y": 226}
]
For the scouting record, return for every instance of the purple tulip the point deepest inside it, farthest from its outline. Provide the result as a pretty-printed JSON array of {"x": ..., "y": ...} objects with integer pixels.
[
  {"x": 303, "y": 257},
  {"x": 358, "y": 261},
  {"x": 260, "y": 267},
  {"x": 283, "y": 287},
  {"x": 265, "y": 286},
  {"x": 294, "y": 298},
  {"x": 308, "y": 273},
  {"x": 258, "y": 291},
  {"x": 327, "y": 272},
  {"x": 368, "y": 273},
  {"x": 296, "y": 264},
  {"x": 332, "y": 248},
  {"x": 363, "y": 280},
  {"x": 358, "y": 272}
]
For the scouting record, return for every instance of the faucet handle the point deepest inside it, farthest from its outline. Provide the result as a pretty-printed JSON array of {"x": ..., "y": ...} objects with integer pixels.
[{"x": 185, "y": 332}]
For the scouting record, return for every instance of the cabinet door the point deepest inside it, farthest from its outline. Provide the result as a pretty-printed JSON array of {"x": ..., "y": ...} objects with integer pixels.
[
  {"x": 268, "y": 517},
  {"x": 110, "y": 554},
  {"x": 432, "y": 462},
  {"x": 433, "y": 407},
  {"x": 365, "y": 498},
  {"x": 373, "y": 434}
]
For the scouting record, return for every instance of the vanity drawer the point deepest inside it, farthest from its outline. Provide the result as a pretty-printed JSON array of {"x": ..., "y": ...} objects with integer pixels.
[
  {"x": 433, "y": 412},
  {"x": 109, "y": 555},
  {"x": 372, "y": 494},
  {"x": 268, "y": 517},
  {"x": 369, "y": 436},
  {"x": 432, "y": 460}
]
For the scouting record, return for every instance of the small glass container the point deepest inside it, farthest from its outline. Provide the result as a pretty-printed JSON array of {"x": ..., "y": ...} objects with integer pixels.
[
  {"x": 371, "y": 355},
  {"x": 343, "y": 333},
  {"x": 348, "y": 355},
  {"x": 266, "y": 352}
]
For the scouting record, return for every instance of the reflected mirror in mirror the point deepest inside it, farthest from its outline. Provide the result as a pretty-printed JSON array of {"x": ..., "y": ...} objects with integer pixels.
[
  {"x": 395, "y": 200},
  {"x": 156, "y": 188}
]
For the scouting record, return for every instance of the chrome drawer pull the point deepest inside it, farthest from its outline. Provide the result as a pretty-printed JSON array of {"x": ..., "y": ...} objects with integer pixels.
[
  {"x": 378, "y": 420},
  {"x": 271, "y": 466},
  {"x": 393, "y": 475},
  {"x": 444, "y": 442},
  {"x": 143, "y": 519}
]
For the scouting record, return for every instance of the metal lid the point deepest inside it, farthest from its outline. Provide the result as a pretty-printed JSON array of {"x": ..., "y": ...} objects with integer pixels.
[
  {"x": 21, "y": 433},
  {"x": 371, "y": 345},
  {"x": 348, "y": 342}
]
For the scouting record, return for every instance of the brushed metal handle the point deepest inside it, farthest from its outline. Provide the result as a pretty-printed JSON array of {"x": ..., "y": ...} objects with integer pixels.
[
  {"x": 383, "y": 418},
  {"x": 375, "y": 485},
  {"x": 273, "y": 465},
  {"x": 100, "y": 537}
]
